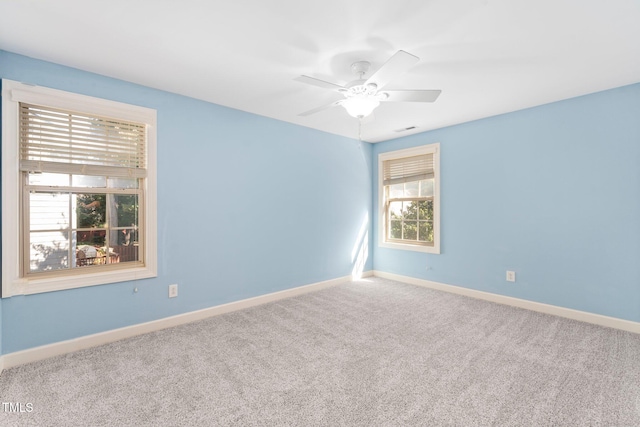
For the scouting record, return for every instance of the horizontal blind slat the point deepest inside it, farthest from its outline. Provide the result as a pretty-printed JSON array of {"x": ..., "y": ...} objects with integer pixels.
[
  {"x": 57, "y": 144},
  {"x": 43, "y": 116},
  {"x": 49, "y": 135},
  {"x": 61, "y": 149},
  {"x": 78, "y": 116},
  {"x": 408, "y": 169}
]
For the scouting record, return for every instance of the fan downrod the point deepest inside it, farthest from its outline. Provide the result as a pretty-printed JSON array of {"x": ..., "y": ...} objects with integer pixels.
[{"x": 360, "y": 68}]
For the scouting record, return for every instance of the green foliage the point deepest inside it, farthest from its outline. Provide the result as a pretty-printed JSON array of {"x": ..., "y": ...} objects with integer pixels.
[
  {"x": 127, "y": 210},
  {"x": 91, "y": 210},
  {"x": 412, "y": 221}
]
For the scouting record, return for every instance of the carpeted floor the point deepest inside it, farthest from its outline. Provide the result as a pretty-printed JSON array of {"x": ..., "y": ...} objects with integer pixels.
[{"x": 369, "y": 353}]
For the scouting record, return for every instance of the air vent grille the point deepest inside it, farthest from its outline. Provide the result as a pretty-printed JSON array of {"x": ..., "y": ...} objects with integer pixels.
[{"x": 406, "y": 129}]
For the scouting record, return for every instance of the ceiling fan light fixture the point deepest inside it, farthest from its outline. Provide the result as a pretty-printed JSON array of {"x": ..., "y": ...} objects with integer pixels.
[
  {"x": 362, "y": 96},
  {"x": 360, "y": 106}
]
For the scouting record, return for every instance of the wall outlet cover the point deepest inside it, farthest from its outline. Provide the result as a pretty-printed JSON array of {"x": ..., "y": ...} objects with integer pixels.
[{"x": 173, "y": 291}]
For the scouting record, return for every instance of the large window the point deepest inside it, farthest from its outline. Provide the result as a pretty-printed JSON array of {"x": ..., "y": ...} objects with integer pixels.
[
  {"x": 79, "y": 177},
  {"x": 409, "y": 199}
]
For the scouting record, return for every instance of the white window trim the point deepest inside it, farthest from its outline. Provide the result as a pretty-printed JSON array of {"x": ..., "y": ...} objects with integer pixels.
[
  {"x": 12, "y": 94},
  {"x": 424, "y": 149}
]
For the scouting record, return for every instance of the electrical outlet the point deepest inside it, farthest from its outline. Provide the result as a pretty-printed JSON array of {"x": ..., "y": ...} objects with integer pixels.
[
  {"x": 173, "y": 291},
  {"x": 511, "y": 276}
]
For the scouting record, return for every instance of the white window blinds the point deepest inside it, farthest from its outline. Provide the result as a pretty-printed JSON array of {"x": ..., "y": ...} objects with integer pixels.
[
  {"x": 407, "y": 169},
  {"x": 58, "y": 141}
]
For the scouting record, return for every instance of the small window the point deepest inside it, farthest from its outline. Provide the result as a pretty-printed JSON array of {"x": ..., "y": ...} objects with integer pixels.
[
  {"x": 409, "y": 199},
  {"x": 85, "y": 185}
]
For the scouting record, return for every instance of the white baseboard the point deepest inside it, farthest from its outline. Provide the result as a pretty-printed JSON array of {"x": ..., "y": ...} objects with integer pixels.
[
  {"x": 583, "y": 316},
  {"x": 50, "y": 350},
  {"x": 63, "y": 347}
]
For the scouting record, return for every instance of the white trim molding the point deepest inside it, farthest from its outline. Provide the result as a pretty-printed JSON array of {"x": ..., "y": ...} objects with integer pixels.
[
  {"x": 433, "y": 149},
  {"x": 568, "y": 313},
  {"x": 35, "y": 354},
  {"x": 13, "y": 281}
]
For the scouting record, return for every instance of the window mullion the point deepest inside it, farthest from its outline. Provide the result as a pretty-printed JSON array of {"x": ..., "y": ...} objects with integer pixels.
[
  {"x": 107, "y": 240},
  {"x": 142, "y": 226},
  {"x": 25, "y": 228},
  {"x": 71, "y": 250}
]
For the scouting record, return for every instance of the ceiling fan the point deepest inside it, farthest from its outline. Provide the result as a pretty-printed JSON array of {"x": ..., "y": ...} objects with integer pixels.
[{"x": 362, "y": 96}]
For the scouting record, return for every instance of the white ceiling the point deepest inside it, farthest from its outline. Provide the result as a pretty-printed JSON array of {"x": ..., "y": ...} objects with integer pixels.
[{"x": 488, "y": 56}]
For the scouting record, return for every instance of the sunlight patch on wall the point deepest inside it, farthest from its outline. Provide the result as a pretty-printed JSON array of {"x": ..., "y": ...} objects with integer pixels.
[{"x": 360, "y": 251}]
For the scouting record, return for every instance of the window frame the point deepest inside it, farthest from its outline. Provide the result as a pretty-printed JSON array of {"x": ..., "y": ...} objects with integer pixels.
[
  {"x": 14, "y": 282},
  {"x": 383, "y": 220}
]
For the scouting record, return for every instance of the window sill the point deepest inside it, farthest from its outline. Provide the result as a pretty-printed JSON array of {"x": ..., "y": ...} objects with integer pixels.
[
  {"x": 59, "y": 283},
  {"x": 408, "y": 247}
]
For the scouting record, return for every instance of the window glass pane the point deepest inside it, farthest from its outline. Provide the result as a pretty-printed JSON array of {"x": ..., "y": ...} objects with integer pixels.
[
  {"x": 126, "y": 183},
  {"x": 50, "y": 179},
  {"x": 426, "y": 188},
  {"x": 126, "y": 253},
  {"x": 396, "y": 191},
  {"x": 411, "y": 189},
  {"x": 425, "y": 209},
  {"x": 89, "y": 181},
  {"x": 48, "y": 211},
  {"x": 96, "y": 253},
  {"x": 395, "y": 229},
  {"x": 123, "y": 214},
  {"x": 49, "y": 251},
  {"x": 395, "y": 210},
  {"x": 123, "y": 236},
  {"x": 425, "y": 231},
  {"x": 125, "y": 210},
  {"x": 410, "y": 230},
  {"x": 90, "y": 210},
  {"x": 410, "y": 210},
  {"x": 428, "y": 213},
  {"x": 94, "y": 237}
]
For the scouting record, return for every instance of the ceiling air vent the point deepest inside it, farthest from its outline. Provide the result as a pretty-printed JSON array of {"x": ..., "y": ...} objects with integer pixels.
[{"x": 406, "y": 129}]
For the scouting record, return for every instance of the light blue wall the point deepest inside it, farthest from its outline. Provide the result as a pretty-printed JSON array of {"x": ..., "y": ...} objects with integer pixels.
[
  {"x": 551, "y": 192},
  {"x": 261, "y": 205},
  {"x": 1, "y": 322},
  {"x": 1, "y": 326},
  {"x": 246, "y": 206}
]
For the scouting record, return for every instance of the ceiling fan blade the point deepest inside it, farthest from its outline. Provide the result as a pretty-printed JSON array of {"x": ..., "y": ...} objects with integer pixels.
[
  {"x": 400, "y": 62},
  {"x": 317, "y": 82},
  {"x": 318, "y": 109},
  {"x": 411, "y": 95}
]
